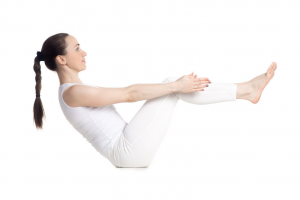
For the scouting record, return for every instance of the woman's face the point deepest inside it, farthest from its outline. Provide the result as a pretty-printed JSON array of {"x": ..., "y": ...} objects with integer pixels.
[{"x": 76, "y": 56}]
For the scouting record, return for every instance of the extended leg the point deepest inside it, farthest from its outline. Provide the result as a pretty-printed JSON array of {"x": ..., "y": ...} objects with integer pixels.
[{"x": 141, "y": 138}]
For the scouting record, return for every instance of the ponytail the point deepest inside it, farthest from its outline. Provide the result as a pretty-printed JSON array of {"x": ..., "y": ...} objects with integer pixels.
[
  {"x": 54, "y": 45},
  {"x": 38, "y": 109}
]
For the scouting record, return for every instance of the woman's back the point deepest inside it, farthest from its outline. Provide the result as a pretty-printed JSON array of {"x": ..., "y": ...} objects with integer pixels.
[{"x": 99, "y": 125}]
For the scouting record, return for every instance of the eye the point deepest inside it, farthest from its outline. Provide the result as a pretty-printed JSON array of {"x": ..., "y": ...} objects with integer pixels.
[{"x": 77, "y": 48}]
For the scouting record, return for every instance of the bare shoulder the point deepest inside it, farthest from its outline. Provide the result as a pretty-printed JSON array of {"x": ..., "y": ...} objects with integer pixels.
[
  {"x": 71, "y": 94},
  {"x": 84, "y": 95}
]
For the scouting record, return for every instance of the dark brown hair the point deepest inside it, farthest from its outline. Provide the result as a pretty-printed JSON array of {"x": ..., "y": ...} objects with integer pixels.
[{"x": 55, "y": 45}]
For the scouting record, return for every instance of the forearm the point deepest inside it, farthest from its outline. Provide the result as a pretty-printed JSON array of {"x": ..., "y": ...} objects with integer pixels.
[{"x": 140, "y": 92}]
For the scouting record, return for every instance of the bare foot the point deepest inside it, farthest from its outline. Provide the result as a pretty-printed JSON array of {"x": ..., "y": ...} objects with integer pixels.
[{"x": 259, "y": 83}]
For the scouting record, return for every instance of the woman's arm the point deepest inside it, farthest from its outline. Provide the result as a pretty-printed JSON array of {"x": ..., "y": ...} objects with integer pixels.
[
  {"x": 138, "y": 92},
  {"x": 185, "y": 84}
]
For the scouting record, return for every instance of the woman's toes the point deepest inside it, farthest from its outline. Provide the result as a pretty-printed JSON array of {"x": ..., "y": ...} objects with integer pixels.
[
  {"x": 270, "y": 66},
  {"x": 270, "y": 71},
  {"x": 275, "y": 66}
]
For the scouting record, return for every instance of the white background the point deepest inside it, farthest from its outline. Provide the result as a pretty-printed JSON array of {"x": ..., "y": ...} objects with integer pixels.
[{"x": 230, "y": 150}]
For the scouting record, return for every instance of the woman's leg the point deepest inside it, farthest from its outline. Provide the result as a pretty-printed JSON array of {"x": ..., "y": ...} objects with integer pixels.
[{"x": 141, "y": 138}]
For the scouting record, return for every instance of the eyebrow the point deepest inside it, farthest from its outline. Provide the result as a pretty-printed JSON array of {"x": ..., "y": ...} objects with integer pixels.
[{"x": 77, "y": 44}]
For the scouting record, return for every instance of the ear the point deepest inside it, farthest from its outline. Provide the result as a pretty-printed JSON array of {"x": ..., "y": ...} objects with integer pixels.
[{"x": 61, "y": 60}]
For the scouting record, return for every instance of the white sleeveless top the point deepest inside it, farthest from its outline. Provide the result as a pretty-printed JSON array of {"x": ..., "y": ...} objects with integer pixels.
[{"x": 99, "y": 125}]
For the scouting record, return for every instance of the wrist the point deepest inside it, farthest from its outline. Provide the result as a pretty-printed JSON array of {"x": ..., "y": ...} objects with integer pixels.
[{"x": 173, "y": 86}]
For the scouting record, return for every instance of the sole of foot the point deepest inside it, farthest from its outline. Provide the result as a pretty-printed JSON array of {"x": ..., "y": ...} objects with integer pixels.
[{"x": 259, "y": 83}]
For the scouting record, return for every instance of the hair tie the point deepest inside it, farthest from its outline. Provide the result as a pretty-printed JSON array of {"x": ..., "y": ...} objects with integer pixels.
[
  {"x": 40, "y": 56},
  {"x": 38, "y": 95}
]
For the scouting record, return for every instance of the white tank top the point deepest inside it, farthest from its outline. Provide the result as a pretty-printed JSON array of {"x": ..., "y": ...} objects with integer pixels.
[{"x": 99, "y": 125}]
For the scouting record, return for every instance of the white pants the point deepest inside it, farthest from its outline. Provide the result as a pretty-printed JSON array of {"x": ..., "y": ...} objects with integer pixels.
[{"x": 137, "y": 144}]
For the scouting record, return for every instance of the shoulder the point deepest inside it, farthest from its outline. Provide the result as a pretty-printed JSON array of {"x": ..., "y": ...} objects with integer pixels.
[
  {"x": 75, "y": 93},
  {"x": 85, "y": 95}
]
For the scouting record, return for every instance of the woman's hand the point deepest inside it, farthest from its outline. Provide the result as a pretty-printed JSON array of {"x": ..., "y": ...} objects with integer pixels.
[{"x": 190, "y": 83}]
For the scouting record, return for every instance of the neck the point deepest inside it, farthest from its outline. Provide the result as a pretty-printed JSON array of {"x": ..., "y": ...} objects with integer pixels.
[{"x": 67, "y": 75}]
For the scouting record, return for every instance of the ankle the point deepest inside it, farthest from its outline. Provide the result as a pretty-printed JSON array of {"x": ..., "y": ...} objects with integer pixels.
[{"x": 244, "y": 91}]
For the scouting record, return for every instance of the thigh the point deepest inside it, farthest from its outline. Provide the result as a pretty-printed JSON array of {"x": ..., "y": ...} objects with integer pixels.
[
  {"x": 137, "y": 145},
  {"x": 155, "y": 115}
]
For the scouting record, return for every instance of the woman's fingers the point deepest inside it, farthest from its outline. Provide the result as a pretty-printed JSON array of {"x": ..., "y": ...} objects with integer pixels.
[
  {"x": 201, "y": 84},
  {"x": 198, "y": 81},
  {"x": 203, "y": 79},
  {"x": 200, "y": 78}
]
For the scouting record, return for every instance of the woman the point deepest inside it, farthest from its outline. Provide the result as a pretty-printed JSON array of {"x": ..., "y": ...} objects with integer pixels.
[{"x": 91, "y": 111}]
